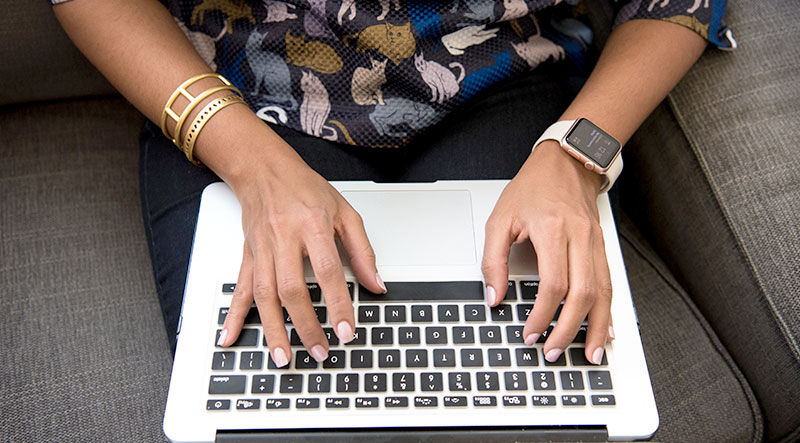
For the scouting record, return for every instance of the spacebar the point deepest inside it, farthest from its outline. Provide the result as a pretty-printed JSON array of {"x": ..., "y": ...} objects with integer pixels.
[{"x": 425, "y": 291}]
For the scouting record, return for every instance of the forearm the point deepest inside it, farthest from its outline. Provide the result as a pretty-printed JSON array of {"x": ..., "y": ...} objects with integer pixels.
[{"x": 641, "y": 62}]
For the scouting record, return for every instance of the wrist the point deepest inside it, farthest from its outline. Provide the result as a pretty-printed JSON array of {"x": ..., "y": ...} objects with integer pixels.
[{"x": 550, "y": 156}]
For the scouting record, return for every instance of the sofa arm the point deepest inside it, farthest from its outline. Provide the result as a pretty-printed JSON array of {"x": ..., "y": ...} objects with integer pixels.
[
  {"x": 715, "y": 184},
  {"x": 39, "y": 61}
]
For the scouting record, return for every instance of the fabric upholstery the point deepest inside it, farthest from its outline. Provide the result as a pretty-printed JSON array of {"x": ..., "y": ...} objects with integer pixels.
[
  {"x": 39, "y": 61},
  {"x": 700, "y": 393},
  {"x": 89, "y": 357}
]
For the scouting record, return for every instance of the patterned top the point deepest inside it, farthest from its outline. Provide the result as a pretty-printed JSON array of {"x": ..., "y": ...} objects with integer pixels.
[{"x": 377, "y": 73}]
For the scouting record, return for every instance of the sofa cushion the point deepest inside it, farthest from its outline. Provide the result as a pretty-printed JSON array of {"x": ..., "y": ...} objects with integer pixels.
[
  {"x": 91, "y": 360},
  {"x": 721, "y": 203}
]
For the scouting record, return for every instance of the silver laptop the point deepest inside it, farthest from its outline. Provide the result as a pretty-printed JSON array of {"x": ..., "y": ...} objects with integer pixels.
[{"x": 431, "y": 362}]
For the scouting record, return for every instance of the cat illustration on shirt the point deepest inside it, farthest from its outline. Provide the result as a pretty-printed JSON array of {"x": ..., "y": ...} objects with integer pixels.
[
  {"x": 314, "y": 55},
  {"x": 315, "y": 107},
  {"x": 396, "y": 42},
  {"x": 270, "y": 74},
  {"x": 278, "y": 11},
  {"x": 442, "y": 81},
  {"x": 401, "y": 112},
  {"x": 367, "y": 83}
]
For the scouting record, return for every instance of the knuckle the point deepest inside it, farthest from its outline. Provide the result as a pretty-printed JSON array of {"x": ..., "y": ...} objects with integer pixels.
[
  {"x": 291, "y": 289},
  {"x": 556, "y": 286},
  {"x": 327, "y": 266},
  {"x": 262, "y": 290}
]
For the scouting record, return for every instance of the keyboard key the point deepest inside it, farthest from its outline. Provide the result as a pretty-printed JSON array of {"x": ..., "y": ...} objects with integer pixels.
[
  {"x": 359, "y": 337},
  {"x": 319, "y": 383},
  {"x": 347, "y": 383},
  {"x": 382, "y": 336},
  {"x": 474, "y": 313},
  {"x": 251, "y": 361},
  {"x": 448, "y": 313},
  {"x": 544, "y": 381},
  {"x": 291, "y": 383},
  {"x": 408, "y": 335},
  {"x": 523, "y": 311},
  {"x": 501, "y": 313},
  {"x": 227, "y": 384},
  {"x": 450, "y": 401},
  {"x": 578, "y": 358},
  {"x": 527, "y": 357},
  {"x": 351, "y": 289},
  {"x": 247, "y": 337},
  {"x": 421, "y": 314},
  {"x": 514, "y": 334},
  {"x": 336, "y": 359},
  {"x": 511, "y": 292},
  {"x": 271, "y": 363},
  {"x": 245, "y": 404},
  {"x": 513, "y": 400},
  {"x": 419, "y": 291},
  {"x": 444, "y": 358},
  {"x": 484, "y": 400},
  {"x": 278, "y": 403},
  {"x": 417, "y": 358},
  {"x": 304, "y": 360},
  {"x": 471, "y": 358},
  {"x": 426, "y": 402},
  {"x": 223, "y": 361},
  {"x": 558, "y": 311},
  {"x": 218, "y": 405},
  {"x": 463, "y": 335},
  {"x": 294, "y": 338},
  {"x": 580, "y": 337},
  {"x": 367, "y": 402},
  {"x": 369, "y": 314},
  {"x": 388, "y": 358},
  {"x": 529, "y": 289},
  {"x": 333, "y": 340},
  {"x": 545, "y": 335},
  {"x": 307, "y": 403},
  {"x": 228, "y": 288},
  {"x": 396, "y": 402},
  {"x": 322, "y": 313},
  {"x": 375, "y": 382},
  {"x": 395, "y": 314},
  {"x": 561, "y": 361},
  {"x": 516, "y": 381},
  {"x": 337, "y": 403},
  {"x": 573, "y": 400},
  {"x": 571, "y": 380},
  {"x": 490, "y": 334},
  {"x": 402, "y": 381},
  {"x": 499, "y": 357},
  {"x": 603, "y": 400},
  {"x": 431, "y": 381},
  {"x": 599, "y": 380},
  {"x": 263, "y": 384},
  {"x": 435, "y": 335},
  {"x": 315, "y": 292},
  {"x": 223, "y": 313},
  {"x": 543, "y": 400},
  {"x": 361, "y": 359},
  {"x": 459, "y": 381},
  {"x": 487, "y": 381}
]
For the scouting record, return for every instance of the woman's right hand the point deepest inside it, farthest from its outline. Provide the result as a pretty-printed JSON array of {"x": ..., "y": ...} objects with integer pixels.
[{"x": 290, "y": 212}]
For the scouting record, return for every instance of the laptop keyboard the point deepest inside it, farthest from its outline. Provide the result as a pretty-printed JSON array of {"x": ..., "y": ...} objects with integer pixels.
[{"x": 422, "y": 345}]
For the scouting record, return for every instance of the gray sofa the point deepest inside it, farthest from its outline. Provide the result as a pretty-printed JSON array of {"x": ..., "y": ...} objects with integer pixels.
[{"x": 710, "y": 231}]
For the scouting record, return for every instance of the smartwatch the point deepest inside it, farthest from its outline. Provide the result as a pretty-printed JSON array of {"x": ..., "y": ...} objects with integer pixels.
[{"x": 590, "y": 145}]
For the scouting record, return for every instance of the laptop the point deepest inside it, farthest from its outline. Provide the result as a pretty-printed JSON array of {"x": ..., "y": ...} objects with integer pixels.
[{"x": 431, "y": 362}]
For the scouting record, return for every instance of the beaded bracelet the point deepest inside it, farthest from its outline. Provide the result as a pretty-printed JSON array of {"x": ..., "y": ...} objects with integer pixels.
[{"x": 202, "y": 118}]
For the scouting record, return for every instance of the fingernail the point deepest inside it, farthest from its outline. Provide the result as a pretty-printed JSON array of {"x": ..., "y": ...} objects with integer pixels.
[
  {"x": 553, "y": 355},
  {"x": 222, "y": 336},
  {"x": 611, "y": 332},
  {"x": 597, "y": 357},
  {"x": 380, "y": 282},
  {"x": 531, "y": 339},
  {"x": 279, "y": 357},
  {"x": 319, "y": 353},
  {"x": 345, "y": 332},
  {"x": 491, "y": 296}
]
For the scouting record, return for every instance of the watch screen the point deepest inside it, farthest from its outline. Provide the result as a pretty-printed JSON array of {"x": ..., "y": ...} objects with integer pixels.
[{"x": 592, "y": 142}]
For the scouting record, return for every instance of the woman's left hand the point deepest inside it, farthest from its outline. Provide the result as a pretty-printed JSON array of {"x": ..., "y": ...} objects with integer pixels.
[{"x": 552, "y": 202}]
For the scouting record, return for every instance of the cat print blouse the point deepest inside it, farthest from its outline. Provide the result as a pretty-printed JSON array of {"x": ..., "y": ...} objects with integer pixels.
[{"x": 377, "y": 73}]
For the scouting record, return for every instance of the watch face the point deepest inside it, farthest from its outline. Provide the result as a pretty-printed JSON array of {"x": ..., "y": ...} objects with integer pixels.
[{"x": 593, "y": 142}]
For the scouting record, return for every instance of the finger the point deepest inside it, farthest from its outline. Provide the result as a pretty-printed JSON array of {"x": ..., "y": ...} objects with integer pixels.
[
  {"x": 293, "y": 293},
  {"x": 495, "y": 259},
  {"x": 269, "y": 307},
  {"x": 611, "y": 335},
  {"x": 240, "y": 303},
  {"x": 600, "y": 314},
  {"x": 551, "y": 254},
  {"x": 362, "y": 257},
  {"x": 324, "y": 259}
]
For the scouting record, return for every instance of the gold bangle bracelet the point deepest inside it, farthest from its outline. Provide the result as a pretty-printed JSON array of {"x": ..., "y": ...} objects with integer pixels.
[
  {"x": 181, "y": 90},
  {"x": 202, "y": 118},
  {"x": 193, "y": 104}
]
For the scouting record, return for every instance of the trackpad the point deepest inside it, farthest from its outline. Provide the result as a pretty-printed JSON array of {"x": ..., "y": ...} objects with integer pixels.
[{"x": 417, "y": 228}]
